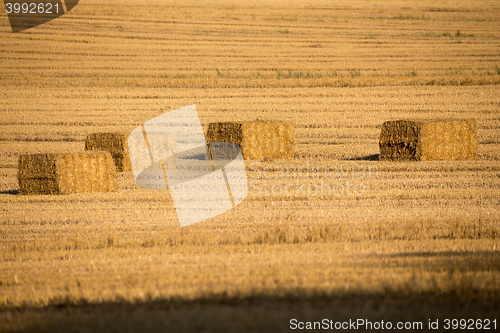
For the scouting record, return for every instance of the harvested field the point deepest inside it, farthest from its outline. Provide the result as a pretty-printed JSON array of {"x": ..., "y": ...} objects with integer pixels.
[{"x": 330, "y": 233}]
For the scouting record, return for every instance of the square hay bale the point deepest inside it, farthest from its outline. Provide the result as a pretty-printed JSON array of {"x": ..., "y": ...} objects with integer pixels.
[
  {"x": 432, "y": 140},
  {"x": 66, "y": 173},
  {"x": 161, "y": 147},
  {"x": 259, "y": 139},
  {"x": 115, "y": 143}
]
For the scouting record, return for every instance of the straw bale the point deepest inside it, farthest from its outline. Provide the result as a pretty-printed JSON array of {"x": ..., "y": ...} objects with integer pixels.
[
  {"x": 259, "y": 140},
  {"x": 66, "y": 173},
  {"x": 431, "y": 140},
  {"x": 116, "y": 144}
]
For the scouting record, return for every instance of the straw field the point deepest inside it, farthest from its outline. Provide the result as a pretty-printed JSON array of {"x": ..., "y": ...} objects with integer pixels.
[{"x": 332, "y": 232}]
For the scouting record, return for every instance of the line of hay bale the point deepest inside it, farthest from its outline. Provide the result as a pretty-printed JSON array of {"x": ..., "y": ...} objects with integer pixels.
[
  {"x": 116, "y": 144},
  {"x": 430, "y": 140},
  {"x": 66, "y": 173},
  {"x": 259, "y": 139}
]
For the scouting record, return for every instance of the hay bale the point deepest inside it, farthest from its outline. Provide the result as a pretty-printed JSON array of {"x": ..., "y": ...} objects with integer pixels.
[
  {"x": 66, "y": 173},
  {"x": 116, "y": 144},
  {"x": 259, "y": 140},
  {"x": 433, "y": 140}
]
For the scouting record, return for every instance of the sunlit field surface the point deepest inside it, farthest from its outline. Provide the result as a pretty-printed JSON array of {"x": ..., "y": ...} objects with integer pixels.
[{"x": 332, "y": 233}]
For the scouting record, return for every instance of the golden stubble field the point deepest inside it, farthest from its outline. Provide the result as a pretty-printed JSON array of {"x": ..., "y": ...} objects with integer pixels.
[{"x": 396, "y": 242}]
